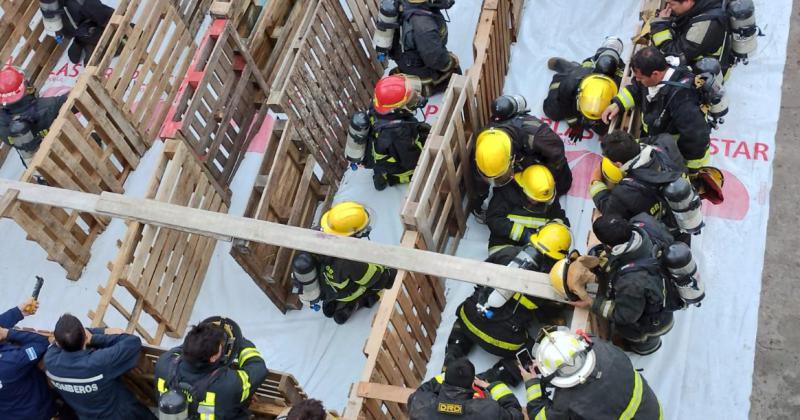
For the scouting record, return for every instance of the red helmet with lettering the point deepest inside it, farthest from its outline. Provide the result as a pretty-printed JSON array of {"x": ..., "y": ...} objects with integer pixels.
[
  {"x": 395, "y": 92},
  {"x": 12, "y": 85}
]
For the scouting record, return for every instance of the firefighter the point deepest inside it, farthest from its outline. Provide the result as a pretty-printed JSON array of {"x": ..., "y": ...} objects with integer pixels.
[
  {"x": 519, "y": 208},
  {"x": 669, "y": 104},
  {"x": 389, "y": 132},
  {"x": 452, "y": 394},
  {"x": 343, "y": 286},
  {"x": 25, "y": 117},
  {"x": 215, "y": 372},
  {"x": 81, "y": 20},
  {"x": 419, "y": 46},
  {"x": 513, "y": 141},
  {"x": 24, "y": 393},
  {"x": 637, "y": 300},
  {"x": 692, "y": 30},
  {"x": 499, "y": 320},
  {"x": 86, "y": 368},
  {"x": 628, "y": 179},
  {"x": 579, "y": 92},
  {"x": 592, "y": 378}
]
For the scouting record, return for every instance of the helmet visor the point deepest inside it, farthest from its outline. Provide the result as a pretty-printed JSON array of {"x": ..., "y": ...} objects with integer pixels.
[{"x": 500, "y": 180}]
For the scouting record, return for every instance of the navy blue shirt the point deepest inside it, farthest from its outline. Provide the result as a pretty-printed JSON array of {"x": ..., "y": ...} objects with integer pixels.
[
  {"x": 89, "y": 380},
  {"x": 24, "y": 393}
]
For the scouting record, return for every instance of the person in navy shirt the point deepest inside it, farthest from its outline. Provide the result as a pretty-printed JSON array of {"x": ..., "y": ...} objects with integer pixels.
[
  {"x": 24, "y": 393},
  {"x": 85, "y": 366}
]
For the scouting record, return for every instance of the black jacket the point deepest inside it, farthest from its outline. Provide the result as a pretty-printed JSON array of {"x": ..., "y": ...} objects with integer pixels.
[
  {"x": 345, "y": 280},
  {"x": 510, "y": 213},
  {"x": 85, "y": 20},
  {"x": 421, "y": 47},
  {"x": 607, "y": 394},
  {"x": 38, "y": 112},
  {"x": 639, "y": 191},
  {"x": 90, "y": 381},
  {"x": 435, "y": 400},
  {"x": 535, "y": 142},
  {"x": 675, "y": 110},
  {"x": 561, "y": 102},
  {"x": 700, "y": 32},
  {"x": 636, "y": 292},
  {"x": 233, "y": 385},
  {"x": 396, "y": 141}
]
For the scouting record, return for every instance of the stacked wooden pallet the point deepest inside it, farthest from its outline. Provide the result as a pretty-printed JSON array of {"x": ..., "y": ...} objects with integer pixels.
[
  {"x": 94, "y": 151},
  {"x": 163, "y": 269},
  {"x": 286, "y": 191},
  {"x": 324, "y": 78},
  {"x": 221, "y": 102}
]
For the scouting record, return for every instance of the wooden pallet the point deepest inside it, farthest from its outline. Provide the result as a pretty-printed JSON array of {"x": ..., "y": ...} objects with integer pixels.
[
  {"x": 330, "y": 78},
  {"x": 154, "y": 54},
  {"x": 279, "y": 390},
  {"x": 492, "y": 48},
  {"x": 398, "y": 348},
  {"x": 286, "y": 191},
  {"x": 221, "y": 103},
  {"x": 92, "y": 152},
  {"x": 163, "y": 269},
  {"x": 437, "y": 205},
  {"x": 276, "y": 36}
]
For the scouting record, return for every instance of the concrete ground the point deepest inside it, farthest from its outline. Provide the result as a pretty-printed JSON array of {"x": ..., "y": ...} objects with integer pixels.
[{"x": 776, "y": 381}]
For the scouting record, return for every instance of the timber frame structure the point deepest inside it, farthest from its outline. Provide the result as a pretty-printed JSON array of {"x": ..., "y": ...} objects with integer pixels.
[{"x": 285, "y": 59}]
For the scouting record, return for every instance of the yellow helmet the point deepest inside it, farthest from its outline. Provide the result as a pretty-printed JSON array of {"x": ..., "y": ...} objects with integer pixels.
[
  {"x": 493, "y": 153},
  {"x": 611, "y": 172},
  {"x": 558, "y": 276},
  {"x": 553, "y": 240},
  {"x": 595, "y": 94},
  {"x": 537, "y": 182},
  {"x": 346, "y": 218}
]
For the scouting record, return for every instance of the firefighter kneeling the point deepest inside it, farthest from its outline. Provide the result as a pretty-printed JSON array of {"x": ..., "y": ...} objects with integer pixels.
[
  {"x": 212, "y": 375},
  {"x": 343, "y": 286},
  {"x": 457, "y": 392},
  {"x": 499, "y": 320},
  {"x": 388, "y": 137},
  {"x": 593, "y": 379},
  {"x": 25, "y": 117}
]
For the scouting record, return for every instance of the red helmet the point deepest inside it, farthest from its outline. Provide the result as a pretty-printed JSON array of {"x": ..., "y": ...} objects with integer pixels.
[
  {"x": 393, "y": 92},
  {"x": 12, "y": 85}
]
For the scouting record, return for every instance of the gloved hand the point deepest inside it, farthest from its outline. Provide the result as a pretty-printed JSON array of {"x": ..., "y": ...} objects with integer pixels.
[{"x": 576, "y": 131}]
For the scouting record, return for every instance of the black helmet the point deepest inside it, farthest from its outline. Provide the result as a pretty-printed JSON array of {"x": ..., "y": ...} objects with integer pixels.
[{"x": 606, "y": 64}]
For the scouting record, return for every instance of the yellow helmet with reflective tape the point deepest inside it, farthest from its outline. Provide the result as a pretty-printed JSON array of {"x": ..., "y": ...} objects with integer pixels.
[
  {"x": 595, "y": 94},
  {"x": 553, "y": 240},
  {"x": 611, "y": 172},
  {"x": 538, "y": 183},
  {"x": 493, "y": 153},
  {"x": 346, "y": 218}
]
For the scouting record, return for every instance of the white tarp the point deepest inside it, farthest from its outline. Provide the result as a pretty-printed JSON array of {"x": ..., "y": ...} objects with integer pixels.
[{"x": 704, "y": 369}]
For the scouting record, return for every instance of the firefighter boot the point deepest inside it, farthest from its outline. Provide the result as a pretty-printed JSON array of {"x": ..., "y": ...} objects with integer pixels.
[
  {"x": 344, "y": 313},
  {"x": 505, "y": 371},
  {"x": 458, "y": 344},
  {"x": 561, "y": 65}
]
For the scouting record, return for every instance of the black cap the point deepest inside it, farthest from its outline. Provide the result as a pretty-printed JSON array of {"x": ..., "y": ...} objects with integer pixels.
[
  {"x": 612, "y": 231},
  {"x": 460, "y": 373}
]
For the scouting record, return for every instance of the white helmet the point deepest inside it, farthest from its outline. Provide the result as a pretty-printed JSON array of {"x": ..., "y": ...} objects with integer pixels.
[{"x": 566, "y": 357}]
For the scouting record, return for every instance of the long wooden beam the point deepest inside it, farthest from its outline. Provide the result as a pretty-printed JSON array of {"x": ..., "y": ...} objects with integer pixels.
[{"x": 228, "y": 227}]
